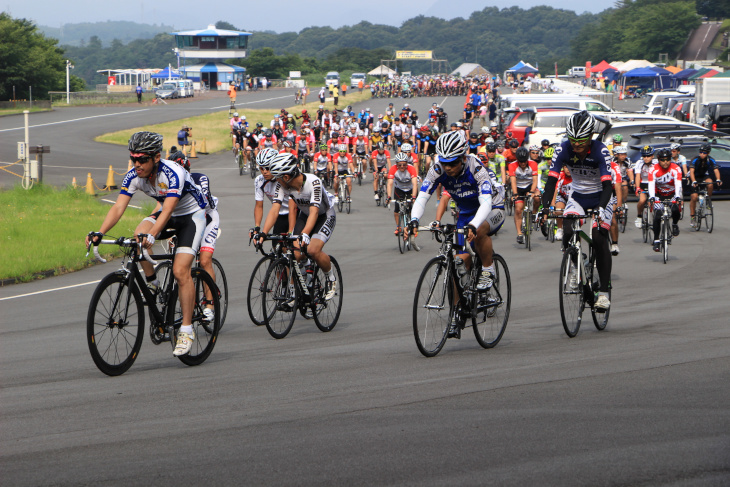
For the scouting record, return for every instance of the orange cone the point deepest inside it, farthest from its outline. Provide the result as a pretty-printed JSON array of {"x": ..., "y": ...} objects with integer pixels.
[
  {"x": 193, "y": 154},
  {"x": 73, "y": 183},
  {"x": 90, "y": 185},
  {"x": 110, "y": 180}
]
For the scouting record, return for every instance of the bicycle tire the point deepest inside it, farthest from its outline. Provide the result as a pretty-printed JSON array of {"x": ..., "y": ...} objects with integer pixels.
[
  {"x": 255, "y": 291},
  {"x": 278, "y": 305},
  {"x": 340, "y": 198},
  {"x": 222, "y": 283},
  {"x": 432, "y": 307},
  {"x": 239, "y": 160},
  {"x": 665, "y": 240},
  {"x": 326, "y": 312},
  {"x": 551, "y": 230},
  {"x": 572, "y": 301},
  {"x": 164, "y": 274},
  {"x": 601, "y": 323},
  {"x": 348, "y": 203},
  {"x": 399, "y": 236},
  {"x": 114, "y": 352},
  {"x": 528, "y": 228},
  {"x": 709, "y": 218},
  {"x": 623, "y": 220},
  {"x": 206, "y": 333},
  {"x": 252, "y": 166},
  {"x": 490, "y": 310},
  {"x": 645, "y": 224}
]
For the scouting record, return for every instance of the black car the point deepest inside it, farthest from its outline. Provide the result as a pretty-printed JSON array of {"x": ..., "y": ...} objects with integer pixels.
[{"x": 690, "y": 142}]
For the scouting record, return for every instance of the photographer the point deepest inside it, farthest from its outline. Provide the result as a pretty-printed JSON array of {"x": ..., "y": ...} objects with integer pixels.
[{"x": 182, "y": 137}]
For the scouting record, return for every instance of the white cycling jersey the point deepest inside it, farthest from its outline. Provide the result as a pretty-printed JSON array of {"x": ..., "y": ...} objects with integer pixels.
[
  {"x": 311, "y": 194},
  {"x": 172, "y": 180},
  {"x": 262, "y": 188}
]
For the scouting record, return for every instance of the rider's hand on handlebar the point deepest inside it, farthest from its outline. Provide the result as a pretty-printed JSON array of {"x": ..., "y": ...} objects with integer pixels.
[
  {"x": 94, "y": 237},
  {"x": 304, "y": 239},
  {"x": 435, "y": 225},
  {"x": 147, "y": 240},
  {"x": 471, "y": 232}
]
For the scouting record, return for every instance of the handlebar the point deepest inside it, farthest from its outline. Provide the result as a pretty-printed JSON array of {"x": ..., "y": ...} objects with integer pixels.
[{"x": 122, "y": 242}]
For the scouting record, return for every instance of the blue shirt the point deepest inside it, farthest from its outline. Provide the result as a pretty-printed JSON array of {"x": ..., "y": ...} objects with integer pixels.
[{"x": 588, "y": 174}]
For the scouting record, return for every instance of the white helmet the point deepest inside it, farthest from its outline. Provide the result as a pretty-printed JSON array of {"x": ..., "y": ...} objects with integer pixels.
[
  {"x": 406, "y": 147},
  {"x": 235, "y": 114},
  {"x": 451, "y": 145},
  {"x": 401, "y": 157},
  {"x": 620, "y": 149},
  {"x": 485, "y": 130},
  {"x": 265, "y": 156},
  {"x": 534, "y": 147},
  {"x": 284, "y": 163}
]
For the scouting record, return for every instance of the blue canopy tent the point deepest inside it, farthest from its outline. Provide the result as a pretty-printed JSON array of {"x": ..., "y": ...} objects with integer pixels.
[
  {"x": 521, "y": 68},
  {"x": 166, "y": 73},
  {"x": 644, "y": 78},
  {"x": 211, "y": 73},
  {"x": 665, "y": 80},
  {"x": 684, "y": 74},
  {"x": 611, "y": 74}
]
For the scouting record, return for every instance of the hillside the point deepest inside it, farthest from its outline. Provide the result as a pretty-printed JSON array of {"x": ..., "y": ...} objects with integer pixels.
[{"x": 79, "y": 34}]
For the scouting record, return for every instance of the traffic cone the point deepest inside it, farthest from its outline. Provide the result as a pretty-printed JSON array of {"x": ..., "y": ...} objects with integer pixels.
[
  {"x": 73, "y": 183},
  {"x": 110, "y": 180},
  {"x": 167, "y": 154},
  {"x": 193, "y": 154},
  {"x": 90, "y": 185},
  {"x": 203, "y": 147}
]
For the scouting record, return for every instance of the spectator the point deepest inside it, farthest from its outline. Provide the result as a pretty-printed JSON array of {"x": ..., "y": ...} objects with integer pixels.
[
  {"x": 182, "y": 137},
  {"x": 322, "y": 94},
  {"x": 139, "y": 93},
  {"x": 335, "y": 93},
  {"x": 344, "y": 90}
]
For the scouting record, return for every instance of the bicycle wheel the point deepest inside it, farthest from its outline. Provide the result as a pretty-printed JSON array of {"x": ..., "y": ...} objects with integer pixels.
[
  {"x": 400, "y": 235},
  {"x": 490, "y": 312},
  {"x": 572, "y": 302},
  {"x": 241, "y": 165},
  {"x": 164, "y": 274},
  {"x": 255, "y": 292},
  {"x": 348, "y": 203},
  {"x": 665, "y": 240},
  {"x": 222, "y": 283},
  {"x": 326, "y": 312},
  {"x": 709, "y": 219},
  {"x": 699, "y": 216},
  {"x": 115, "y": 325},
  {"x": 645, "y": 224},
  {"x": 280, "y": 300},
  {"x": 340, "y": 198},
  {"x": 623, "y": 219},
  {"x": 551, "y": 230},
  {"x": 432, "y": 307},
  {"x": 528, "y": 229},
  {"x": 206, "y": 332},
  {"x": 251, "y": 166},
  {"x": 600, "y": 320}
]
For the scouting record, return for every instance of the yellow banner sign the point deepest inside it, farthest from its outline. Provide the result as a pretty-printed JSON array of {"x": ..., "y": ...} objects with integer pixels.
[{"x": 414, "y": 54}]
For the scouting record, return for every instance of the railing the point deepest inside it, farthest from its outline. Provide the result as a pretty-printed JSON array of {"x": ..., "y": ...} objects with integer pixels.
[{"x": 89, "y": 97}]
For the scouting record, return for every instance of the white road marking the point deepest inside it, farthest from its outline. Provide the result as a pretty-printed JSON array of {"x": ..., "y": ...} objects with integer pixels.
[
  {"x": 50, "y": 290},
  {"x": 132, "y": 206},
  {"x": 76, "y": 120},
  {"x": 251, "y": 102}
]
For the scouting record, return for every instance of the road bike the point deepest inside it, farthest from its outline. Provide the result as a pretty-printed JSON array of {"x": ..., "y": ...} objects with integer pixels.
[
  {"x": 240, "y": 161},
  {"x": 665, "y": 229},
  {"x": 288, "y": 288},
  {"x": 359, "y": 166},
  {"x": 526, "y": 224},
  {"x": 343, "y": 193},
  {"x": 622, "y": 215},
  {"x": 115, "y": 323},
  {"x": 446, "y": 292},
  {"x": 404, "y": 235},
  {"x": 255, "y": 290},
  {"x": 381, "y": 189},
  {"x": 703, "y": 209},
  {"x": 578, "y": 280}
]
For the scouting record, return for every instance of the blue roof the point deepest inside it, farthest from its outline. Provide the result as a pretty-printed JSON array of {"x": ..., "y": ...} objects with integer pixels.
[
  {"x": 211, "y": 31},
  {"x": 641, "y": 73}
]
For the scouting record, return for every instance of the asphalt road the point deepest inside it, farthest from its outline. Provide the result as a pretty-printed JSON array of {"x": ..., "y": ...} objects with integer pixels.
[{"x": 642, "y": 403}]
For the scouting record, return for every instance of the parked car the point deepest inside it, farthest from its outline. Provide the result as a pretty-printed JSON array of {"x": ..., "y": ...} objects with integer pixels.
[
  {"x": 718, "y": 116},
  {"x": 168, "y": 90},
  {"x": 637, "y": 126}
]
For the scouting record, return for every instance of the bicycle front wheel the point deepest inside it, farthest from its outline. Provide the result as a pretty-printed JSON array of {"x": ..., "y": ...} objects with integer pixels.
[
  {"x": 490, "y": 312},
  {"x": 665, "y": 241},
  {"x": 280, "y": 300},
  {"x": 401, "y": 233},
  {"x": 115, "y": 325},
  {"x": 709, "y": 220},
  {"x": 432, "y": 307},
  {"x": 255, "y": 292},
  {"x": 222, "y": 283},
  {"x": 348, "y": 203},
  {"x": 206, "y": 331},
  {"x": 326, "y": 312},
  {"x": 572, "y": 302},
  {"x": 645, "y": 224}
]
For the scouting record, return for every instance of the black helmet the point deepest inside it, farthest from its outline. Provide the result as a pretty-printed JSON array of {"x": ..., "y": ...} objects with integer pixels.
[
  {"x": 473, "y": 135},
  {"x": 491, "y": 147},
  {"x": 522, "y": 154},
  {"x": 580, "y": 125},
  {"x": 706, "y": 147},
  {"x": 180, "y": 158},
  {"x": 514, "y": 144},
  {"x": 664, "y": 154},
  {"x": 268, "y": 133},
  {"x": 259, "y": 124},
  {"x": 145, "y": 143},
  {"x": 545, "y": 142},
  {"x": 647, "y": 151}
]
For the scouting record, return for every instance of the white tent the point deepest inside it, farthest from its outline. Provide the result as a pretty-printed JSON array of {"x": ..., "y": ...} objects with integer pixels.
[
  {"x": 469, "y": 70},
  {"x": 633, "y": 64},
  {"x": 382, "y": 70}
]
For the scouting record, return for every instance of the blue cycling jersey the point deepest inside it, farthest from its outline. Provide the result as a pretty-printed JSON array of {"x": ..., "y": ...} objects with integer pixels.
[
  {"x": 588, "y": 174},
  {"x": 465, "y": 188}
]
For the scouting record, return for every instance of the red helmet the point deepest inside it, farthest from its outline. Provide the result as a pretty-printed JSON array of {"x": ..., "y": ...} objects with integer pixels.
[
  {"x": 425, "y": 129},
  {"x": 304, "y": 112}
]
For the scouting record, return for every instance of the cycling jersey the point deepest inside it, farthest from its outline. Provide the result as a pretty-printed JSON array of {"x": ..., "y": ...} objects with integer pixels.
[
  {"x": 543, "y": 169},
  {"x": 268, "y": 143},
  {"x": 262, "y": 188},
  {"x": 665, "y": 183},
  {"x": 643, "y": 168},
  {"x": 360, "y": 146},
  {"x": 703, "y": 168},
  {"x": 381, "y": 159},
  {"x": 588, "y": 174},
  {"x": 343, "y": 162},
  {"x": 523, "y": 176},
  {"x": 172, "y": 181},
  {"x": 402, "y": 179},
  {"x": 311, "y": 194}
]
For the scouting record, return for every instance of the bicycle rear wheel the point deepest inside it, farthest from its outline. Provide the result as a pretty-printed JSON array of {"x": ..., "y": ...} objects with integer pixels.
[
  {"x": 709, "y": 219},
  {"x": 645, "y": 224},
  {"x": 600, "y": 320},
  {"x": 528, "y": 228},
  {"x": 340, "y": 197},
  {"x": 623, "y": 219},
  {"x": 164, "y": 274},
  {"x": 326, "y": 312},
  {"x": 572, "y": 302},
  {"x": 115, "y": 325},
  {"x": 206, "y": 332},
  {"x": 280, "y": 301},
  {"x": 222, "y": 283},
  {"x": 255, "y": 292},
  {"x": 348, "y": 203},
  {"x": 252, "y": 165},
  {"x": 432, "y": 307},
  {"x": 490, "y": 312}
]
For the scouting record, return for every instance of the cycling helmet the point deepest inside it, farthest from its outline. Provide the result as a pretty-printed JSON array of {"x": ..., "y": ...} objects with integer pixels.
[
  {"x": 580, "y": 125},
  {"x": 534, "y": 147},
  {"x": 265, "y": 156},
  {"x": 522, "y": 154},
  {"x": 324, "y": 147},
  {"x": 425, "y": 129},
  {"x": 337, "y": 119},
  {"x": 268, "y": 133},
  {"x": 514, "y": 144},
  {"x": 451, "y": 146},
  {"x": 145, "y": 143},
  {"x": 500, "y": 143},
  {"x": 282, "y": 164},
  {"x": 304, "y": 112},
  {"x": 548, "y": 153},
  {"x": 618, "y": 138},
  {"x": 259, "y": 125},
  {"x": 341, "y": 147},
  {"x": 440, "y": 109},
  {"x": 406, "y": 147},
  {"x": 409, "y": 122},
  {"x": 401, "y": 157},
  {"x": 287, "y": 144},
  {"x": 485, "y": 130},
  {"x": 675, "y": 146},
  {"x": 647, "y": 151},
  {"x": 493, "y": 125},
  {"x": 664, "y": 154},
  {"x": 706, "y": 147},
  {"x": 489, "y": 140},
  {"x": 243, "y": 117},
  {"x": 620, "y": 149},
  {"x": 235, "y": 114},
  {"x": 380, "y": 146},
  {"x": 545, "y": 142},
  {"x": 180, "y": 158},
  {"x": 473, "y": 135},
  {"x": 491, "y": 147}
]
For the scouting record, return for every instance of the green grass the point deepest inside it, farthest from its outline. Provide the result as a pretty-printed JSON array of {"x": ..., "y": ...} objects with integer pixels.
[
  {"x": 15, "y": 111},
  {"x": 43, "y": 229}
]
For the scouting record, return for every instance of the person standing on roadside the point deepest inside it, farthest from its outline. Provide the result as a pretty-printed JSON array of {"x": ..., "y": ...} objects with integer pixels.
[
  {"x": 322, "y": 94},
  {"x": 335, "y": 93},
  {"x": 344, "y": 90},
  {"x": 139, "y": 93}
]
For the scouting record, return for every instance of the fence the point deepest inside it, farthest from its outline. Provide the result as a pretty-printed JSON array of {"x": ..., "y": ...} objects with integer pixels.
[
  {"x": 89, "y": 97},
  {"x": 25, "y": 104}
]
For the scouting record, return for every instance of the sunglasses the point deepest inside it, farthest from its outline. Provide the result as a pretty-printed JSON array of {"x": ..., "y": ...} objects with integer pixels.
[
  {"x": 579, "y": 141},
  {"x": 141, "y": 159},
  {"x": 664, "y": 159},
  {"x": 704, "y": 152}
]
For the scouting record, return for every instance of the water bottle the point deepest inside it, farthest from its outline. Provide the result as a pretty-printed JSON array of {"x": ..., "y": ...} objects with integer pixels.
[
  {"x": 461, "y": 271},
  {"x": 702, "y": 201}
]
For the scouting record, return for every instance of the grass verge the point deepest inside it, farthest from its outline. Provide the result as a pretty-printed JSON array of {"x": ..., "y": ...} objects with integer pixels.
[
  {"x": 214, "y": 127},
  {"x": 43, "y": 230},
  {"x": 16, "y": 111}
]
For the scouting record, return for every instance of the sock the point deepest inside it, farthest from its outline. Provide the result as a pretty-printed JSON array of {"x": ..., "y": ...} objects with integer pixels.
[
  {"x": 331, "y": 275},
  {"x": 186, "y": 329},
  {"x": 151, "y": 278},
  {"x": 490, "y": 268}
]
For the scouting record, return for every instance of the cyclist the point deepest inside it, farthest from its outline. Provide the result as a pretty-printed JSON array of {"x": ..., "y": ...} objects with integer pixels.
[
  {"x": 509, "y": 153},
  {"x": 617, "y": 139},
  {"x": 470, "y": 185},
  {"x": 404, "y": 178},
  {"x": 322, "y": 162},
  {"x": 265, "y": 185},
  {"x": 268, "y": 140},
  {"x": 183, "y": 208},
  {"x": 316, "y": 217},
  {"x": 344, "y": 166},
  {"x": 523, "y": 180},
  {"x": 560, "y": 199},
  {"x": 426, "y": 144},
  {"x": 701, "y": 168},
  {"x": 640, "y": 173},
  {"x": 665, "y": 180},
  {"x": 238, "y": 131},
  {"x": 304, "y": 143},
  {"x": 380, "y": 159},
  {"x": 678, "y": 158},
  {"x": 474, "y": 143},
  {"x": 496, "y": 162},
  {"x": 617, "y": 200},
  {"x": 589, "y": 161}
]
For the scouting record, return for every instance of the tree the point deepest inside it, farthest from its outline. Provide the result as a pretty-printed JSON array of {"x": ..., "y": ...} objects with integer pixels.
[
  {"x": 223, "y": 25},
  {"x": 28, "y": 59}
]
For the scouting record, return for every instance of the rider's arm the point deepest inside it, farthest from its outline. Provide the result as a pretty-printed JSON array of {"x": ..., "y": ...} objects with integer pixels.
[
  {"x": 441, "y": 208},
  {"x": 258, "y": 213},
  {"x": 292, "y": 215},
  {"x": 271, "y": 217},
  {"x": 115, "y": 213},
  {"x": 652, "y": 185},
  {"x": 389, "y": 188}
]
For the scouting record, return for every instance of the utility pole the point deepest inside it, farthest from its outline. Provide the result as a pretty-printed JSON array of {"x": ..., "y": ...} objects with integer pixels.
[{"x": 68, "y": 81}]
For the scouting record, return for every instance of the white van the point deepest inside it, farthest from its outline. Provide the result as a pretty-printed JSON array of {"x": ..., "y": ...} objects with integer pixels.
[
  {"x": 356, "y": 78},
  {"x": 653, "y": 101},
  {"x": 332, "y": 78},
  {"x": 574, "y": 102},
  {"x": 577, "y": 72},
  {"x": 185, "y": 88}
]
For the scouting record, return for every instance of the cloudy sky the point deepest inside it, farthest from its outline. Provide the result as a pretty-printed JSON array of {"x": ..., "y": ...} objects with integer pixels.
[{"x": 264, "y": 15}]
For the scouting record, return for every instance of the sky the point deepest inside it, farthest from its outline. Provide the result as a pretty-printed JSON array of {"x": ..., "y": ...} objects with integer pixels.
[{"x": 260, "y": 16}]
